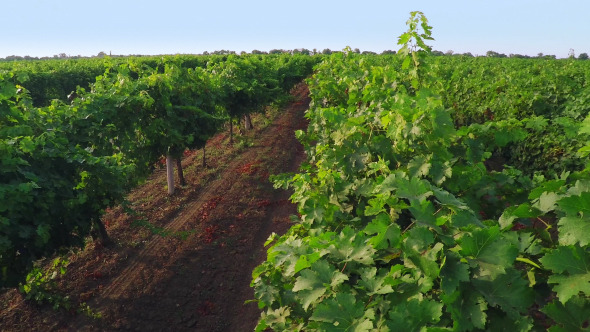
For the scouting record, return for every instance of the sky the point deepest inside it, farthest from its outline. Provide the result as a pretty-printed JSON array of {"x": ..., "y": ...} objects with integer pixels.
[{"x": 40, "y": 28}]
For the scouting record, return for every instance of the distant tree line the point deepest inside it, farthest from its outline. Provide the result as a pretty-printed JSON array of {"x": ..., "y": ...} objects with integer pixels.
[
  {"x": 493, "y": 54},
  {"x": 326, "y": 51},
  {"x": 65, "y": 56},
  {"x": 304, "y": 51}
]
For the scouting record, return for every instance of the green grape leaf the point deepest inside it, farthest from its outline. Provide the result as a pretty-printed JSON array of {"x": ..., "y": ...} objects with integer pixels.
[
  {"x": 464, "y": 218},
  {"x": 352, "y": 247},
  {"x": 376, "y": 206},
  {"x": 387, "y": 233},
  {"x": 529, "y": 244},
  {"x": 426, "y": 260},
  {"x": 580, "y": 187},
  {"x": 568, "y": 286},
  {"x": 288, "y": 254},
  {"x": 574, "y": 205},
  {"x": 568, "y": 125},
  {"x": 521, "y": 211},
  {"x": 447, "y": 199},
  {"x": 503, "y": 136},
  {"x": 489, "y": 250},
  {"x": 373, "y": 283},
  {"x": 414, "y": 315},
  {"x": 413, "y": 189},
  {"x": 404, "y": 38},
  {"x": 419, "y": 239},
  {"x": 548, "y": 186},
  {"x": 390, "y": 183},
  {"x": 467, "y": 308},
  {"x": 572, "y": 260},
  {"x": 305, "y": 261},
  {"x": 27, "y": 145},
  {"x": 266, "y": 293},
  {"x": 452, "y": 273},
  {"x": 406, "y": 62},
  {"x": 423, "y": 212},
  {"x": 546, "y": 202},
  {"x": 536, "y": 123},
  {"x": 499, "y": 322},
  {"x": 574, "y": 230},
  {"x": 341, "y": 313},
  {"x": 584, "y": 151},
  {"x": 439, "y": 172},
  {"x": 442, "y": 123},
  {"x": 313, "y": 283},
  {"x": 571, "y": 268},
  {"x": 585, "y": 128},
  {"x": 507, "y": 218},
  {"x": 509, "y": 291},
  {"x": 574, "y": 315},
  {"x": 276, "y": 318},
  {"x": 419, "y": 166}
]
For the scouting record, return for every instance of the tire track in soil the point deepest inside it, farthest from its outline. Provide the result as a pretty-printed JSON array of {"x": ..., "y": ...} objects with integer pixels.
[{"x": 201, "y": 283}]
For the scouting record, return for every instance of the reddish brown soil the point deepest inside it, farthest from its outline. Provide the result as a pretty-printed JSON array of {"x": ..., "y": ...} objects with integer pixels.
[{"x": 193, "y": 271}]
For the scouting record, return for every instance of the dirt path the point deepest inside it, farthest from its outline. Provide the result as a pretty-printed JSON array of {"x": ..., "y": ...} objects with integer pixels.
[{"x": 196, "y": 276}]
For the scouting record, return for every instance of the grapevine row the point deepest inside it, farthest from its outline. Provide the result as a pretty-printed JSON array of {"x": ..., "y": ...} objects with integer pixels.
[
  {"x": 413, "y": 215},
  {"x": 63, "y": 164}
]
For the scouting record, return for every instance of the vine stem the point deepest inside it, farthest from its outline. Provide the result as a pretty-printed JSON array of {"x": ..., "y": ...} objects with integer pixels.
[
  {"x": 369, "y": 302},
  {"x": 543, "y": 221},
  {"x": 410, "y": 225}
]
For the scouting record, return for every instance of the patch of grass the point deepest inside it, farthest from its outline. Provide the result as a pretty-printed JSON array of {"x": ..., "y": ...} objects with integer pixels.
[{"x": 156, "y": 230}]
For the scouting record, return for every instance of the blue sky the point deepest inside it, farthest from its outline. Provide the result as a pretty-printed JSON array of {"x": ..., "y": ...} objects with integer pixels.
[{"x": 79, "y": 27}]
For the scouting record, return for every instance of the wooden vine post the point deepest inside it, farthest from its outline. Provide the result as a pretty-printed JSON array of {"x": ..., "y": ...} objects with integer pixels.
[{"x": 170, "y": 173}]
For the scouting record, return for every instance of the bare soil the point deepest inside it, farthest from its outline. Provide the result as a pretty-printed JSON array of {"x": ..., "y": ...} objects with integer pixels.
[{"x": 182, "y": 262}]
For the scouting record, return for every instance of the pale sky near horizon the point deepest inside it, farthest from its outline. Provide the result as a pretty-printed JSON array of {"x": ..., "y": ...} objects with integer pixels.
[{"x": 76, "y": 27}]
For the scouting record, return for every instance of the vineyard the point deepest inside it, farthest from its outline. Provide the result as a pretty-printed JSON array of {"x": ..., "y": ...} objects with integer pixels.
[
  {"x": 159, "y": 249},
  {"x": 438, "y": 192}
]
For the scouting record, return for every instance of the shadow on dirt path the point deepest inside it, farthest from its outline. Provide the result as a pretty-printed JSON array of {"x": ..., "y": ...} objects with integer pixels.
[{"x": 196, "y": 276}]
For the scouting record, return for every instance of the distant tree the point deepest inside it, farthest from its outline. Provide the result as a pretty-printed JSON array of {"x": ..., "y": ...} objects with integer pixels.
[
  {"x": 223, "y": 52},
  {"x": 583, "y": 56},
  {"x": 14, "y": 57},
  {"x": 368, "y": 52},
  {"x": 519, "y": 56},
  {"x": 571, "y": 54},
  {"x": 303, "y": 51},
  {"x": 388, "y": 52},
  {"x": 356, "y": 50},
  {"x": 492, "y": 54},
  {"x": 275, "y": 51},
  {"x": 449, "y": 52},
  {"x": 539, "y": 55},
  {"x": 468, "y": 54},
  {"x": 205, "y": 53},
  {"x": 437, "y": 53},
  {"x": 327, "y": 51},
  {"x": 101, "y": 55}
]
